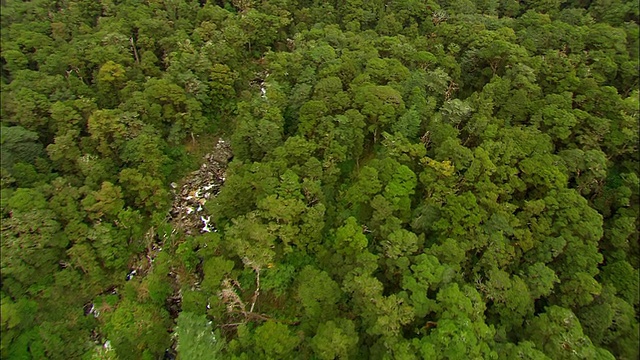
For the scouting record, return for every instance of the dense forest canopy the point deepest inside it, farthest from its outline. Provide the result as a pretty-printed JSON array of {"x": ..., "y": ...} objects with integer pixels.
[{"x": 410, "y": 179}]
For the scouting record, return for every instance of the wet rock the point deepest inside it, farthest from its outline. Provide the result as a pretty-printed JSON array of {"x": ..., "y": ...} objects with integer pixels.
[
  {"x": 131, "y": 274},
  {"x": 202, "y": 185},
  {"x": 170, "y": 354}
]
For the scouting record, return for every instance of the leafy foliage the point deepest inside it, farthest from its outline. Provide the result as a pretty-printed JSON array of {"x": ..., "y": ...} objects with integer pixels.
[{"x": 410, "y": 179}]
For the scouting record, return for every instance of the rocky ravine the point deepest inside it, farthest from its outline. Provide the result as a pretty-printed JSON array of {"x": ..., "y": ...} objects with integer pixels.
[{"x": 187, "y": 212}]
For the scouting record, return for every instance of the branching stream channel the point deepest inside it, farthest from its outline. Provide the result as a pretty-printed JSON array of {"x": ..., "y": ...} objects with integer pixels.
[{"x": 187, "y": 216}]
